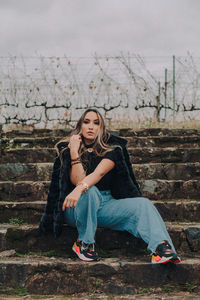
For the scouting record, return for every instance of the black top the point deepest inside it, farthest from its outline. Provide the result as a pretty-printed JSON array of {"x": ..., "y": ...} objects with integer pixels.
[{"x": 91, "y": 161}]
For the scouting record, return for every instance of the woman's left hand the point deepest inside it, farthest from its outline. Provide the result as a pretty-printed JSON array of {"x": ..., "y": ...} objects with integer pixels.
[{"x": 72, "y": 199}]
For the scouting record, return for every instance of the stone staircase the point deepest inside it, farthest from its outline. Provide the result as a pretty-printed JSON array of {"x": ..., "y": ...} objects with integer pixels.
[{"x": 167, "y": 165}]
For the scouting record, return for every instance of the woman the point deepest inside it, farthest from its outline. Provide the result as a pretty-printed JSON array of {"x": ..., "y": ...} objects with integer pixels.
[{"x": 93, "y": 184}]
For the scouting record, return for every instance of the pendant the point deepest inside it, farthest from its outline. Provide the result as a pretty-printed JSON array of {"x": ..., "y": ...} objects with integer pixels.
[{"x": 90, "y": 150}]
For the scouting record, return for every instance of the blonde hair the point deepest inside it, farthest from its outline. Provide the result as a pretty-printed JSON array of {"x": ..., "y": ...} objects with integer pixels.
[{"x": 100, "y": 145}]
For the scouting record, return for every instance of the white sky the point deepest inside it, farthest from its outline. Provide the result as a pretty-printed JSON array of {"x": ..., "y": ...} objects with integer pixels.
[{"x": 107, "y": 27}]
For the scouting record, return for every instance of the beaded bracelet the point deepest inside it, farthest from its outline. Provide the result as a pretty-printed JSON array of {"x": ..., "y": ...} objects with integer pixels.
[
  {"x": 75, "y": 159},
  {"x": 76, "y": 162}
]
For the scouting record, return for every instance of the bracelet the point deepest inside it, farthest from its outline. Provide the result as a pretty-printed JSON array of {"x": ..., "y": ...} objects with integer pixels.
[
  {"x": 85, "y": 185},
  {"x": 75, "y": 159},
  {"x": 75, "y": 162}
]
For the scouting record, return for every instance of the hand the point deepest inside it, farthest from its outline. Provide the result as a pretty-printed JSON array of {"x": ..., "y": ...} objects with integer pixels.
[
  {"x": 74, "y": 143},
  {"x": 72, "y": 199}
]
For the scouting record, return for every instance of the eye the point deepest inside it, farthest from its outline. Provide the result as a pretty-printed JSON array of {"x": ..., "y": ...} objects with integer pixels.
[
  {"x": 85, "y": 122},
  {"x": 96, "y": 122}
]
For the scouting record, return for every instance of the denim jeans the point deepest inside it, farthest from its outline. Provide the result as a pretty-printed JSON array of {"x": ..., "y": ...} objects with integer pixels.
[{"x": 135, "y": 215}]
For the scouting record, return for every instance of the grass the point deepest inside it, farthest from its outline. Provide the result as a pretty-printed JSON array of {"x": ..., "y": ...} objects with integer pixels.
[
  {"x": 51, "y": 253},
  {"x": 144, "y": 291},
  {"x": 15, "y": 221},
  {"x": 15, "y": 291},
  {"x": 190, "y": 287}
]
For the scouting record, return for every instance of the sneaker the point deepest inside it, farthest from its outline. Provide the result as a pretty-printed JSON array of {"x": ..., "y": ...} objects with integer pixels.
[
  {"x": 84, "y": 251},
  {"x": 164, "y": 254}
]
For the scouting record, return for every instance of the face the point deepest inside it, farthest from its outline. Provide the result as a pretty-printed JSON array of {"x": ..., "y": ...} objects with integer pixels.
[{"x": 90, "y": 127}]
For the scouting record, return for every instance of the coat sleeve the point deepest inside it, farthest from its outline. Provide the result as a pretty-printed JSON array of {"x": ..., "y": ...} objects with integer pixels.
[
  {"x": 129, "y": 165},
  {"x": 46, "y": 222}
]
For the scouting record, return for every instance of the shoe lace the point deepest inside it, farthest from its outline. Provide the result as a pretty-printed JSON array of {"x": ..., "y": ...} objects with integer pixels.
[
  {"x": 87, "y": 247},
  {"x": 163, "y": 247}
]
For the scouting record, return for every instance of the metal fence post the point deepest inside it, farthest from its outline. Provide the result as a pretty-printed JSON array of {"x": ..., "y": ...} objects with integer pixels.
[
  {"x": 158, "y": 103},
  {"x": 165, "y": 116}
]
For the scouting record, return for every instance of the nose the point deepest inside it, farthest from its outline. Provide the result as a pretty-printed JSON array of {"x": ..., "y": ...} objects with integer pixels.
[{"x": 91, "y": 126}]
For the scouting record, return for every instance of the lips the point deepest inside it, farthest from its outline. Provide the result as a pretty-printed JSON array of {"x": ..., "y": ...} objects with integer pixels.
[{"x": 90, "y": 132}]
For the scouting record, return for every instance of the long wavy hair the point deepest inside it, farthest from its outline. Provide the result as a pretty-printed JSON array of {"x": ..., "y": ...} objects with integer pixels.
[{"x": 100, "y": 146}]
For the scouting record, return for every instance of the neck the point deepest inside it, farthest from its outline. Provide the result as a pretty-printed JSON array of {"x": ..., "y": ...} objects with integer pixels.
[{"x": 88, "y": 142}]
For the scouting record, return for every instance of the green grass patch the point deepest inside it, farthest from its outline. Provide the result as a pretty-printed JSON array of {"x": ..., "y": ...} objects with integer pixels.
[
  {"x": 51, "y": 253},
  {"x": 190, "y": 287},
  {"x": 15, "y": 221},
  {"x": 15, "y": 291},
  {"x": 144, "y": 291},
  {"x": 98, "y": 283}
]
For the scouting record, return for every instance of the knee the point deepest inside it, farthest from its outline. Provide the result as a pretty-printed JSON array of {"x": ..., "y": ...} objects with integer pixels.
[
  {"x": 93, "y": 190},
  {"x": 92, "y": 195},
  {"x": 145, "y": 202}
]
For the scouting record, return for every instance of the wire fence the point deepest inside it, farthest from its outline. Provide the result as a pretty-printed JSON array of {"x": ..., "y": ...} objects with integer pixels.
[{"x": 52, "y": 91}]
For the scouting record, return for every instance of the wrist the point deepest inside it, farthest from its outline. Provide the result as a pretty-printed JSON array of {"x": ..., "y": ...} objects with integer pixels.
[
  {"x": 74, "y": 155},
  {"x": 83, "y": 186}
]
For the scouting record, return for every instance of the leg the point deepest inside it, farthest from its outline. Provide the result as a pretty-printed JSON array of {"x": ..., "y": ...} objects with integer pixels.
[
  {"x": 137, "y": 216},
  {"x": 84, "y": 216}
]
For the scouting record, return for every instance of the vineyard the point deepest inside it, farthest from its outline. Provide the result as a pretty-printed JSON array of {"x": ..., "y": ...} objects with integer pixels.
[{"x": 51, "y": 92}]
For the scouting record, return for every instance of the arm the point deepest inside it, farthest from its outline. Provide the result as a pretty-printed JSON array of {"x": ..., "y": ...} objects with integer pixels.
[
  {"x": 77, "y": 173},
  {"x": 103, "y": 168}
]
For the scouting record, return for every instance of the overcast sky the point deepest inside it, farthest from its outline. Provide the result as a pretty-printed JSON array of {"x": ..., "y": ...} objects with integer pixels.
[{"x": 83, "y": 27}]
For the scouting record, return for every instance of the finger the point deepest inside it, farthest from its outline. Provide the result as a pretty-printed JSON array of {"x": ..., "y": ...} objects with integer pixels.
[
  {"x": 75, "y": 202},
  {"x": 71, "y": 204},
  {"x": 65, "y": 204}
]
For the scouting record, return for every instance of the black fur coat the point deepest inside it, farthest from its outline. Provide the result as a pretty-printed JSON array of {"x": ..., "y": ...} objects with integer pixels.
[{"x": 124, "y": 184}]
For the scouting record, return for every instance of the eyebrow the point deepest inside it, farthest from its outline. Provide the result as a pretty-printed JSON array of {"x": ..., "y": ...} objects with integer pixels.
[{"x": 91, "y": 120}]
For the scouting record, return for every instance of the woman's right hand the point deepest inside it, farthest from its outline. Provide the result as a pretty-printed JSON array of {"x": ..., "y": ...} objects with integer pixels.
[{"x": 74, "y": 143}]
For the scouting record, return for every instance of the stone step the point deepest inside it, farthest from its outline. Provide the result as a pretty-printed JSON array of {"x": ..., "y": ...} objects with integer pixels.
[
  {"x": 157, "y": 189},
  {"x": 169, "y": 171},
  {"x": 47, "y": 276},
  {"x": 170, "y": 189},
  {"x": 23, "y": 190},
  {"x": 34, "y": 132},
  {"x": 138, "y": 155},
  {"x": 42, "y": 171},
  {"x": 165, "y": 141},
  {"x": 27, "y": 238},
  {"x": 30, "y": 132},
  {"x": 159, "y": 132},
  {"x": 28, "y": 155},
  {"x": 134, "y": 141},
  {"x": 31, "y": 212},
  {"x": 29, "y": 142},
  {"x": 28, "y": 171},
  {"x": 164, "y": 155}
]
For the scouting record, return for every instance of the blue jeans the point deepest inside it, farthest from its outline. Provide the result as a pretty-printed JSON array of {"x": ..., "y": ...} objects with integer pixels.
[{"x": 135, "y": 215}]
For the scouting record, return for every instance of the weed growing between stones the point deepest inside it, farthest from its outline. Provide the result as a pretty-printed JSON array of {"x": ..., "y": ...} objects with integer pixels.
[
  {"x": 166, "y": 289},
  {"x": 15, "y": 221},
  {"x": 98, "y": 283},
  {"x": 191, "y": 287},
  {"x": 12, "y": 291},
  {"x": 51, "y": 253},
  {"x": 144, "y": 291}
]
